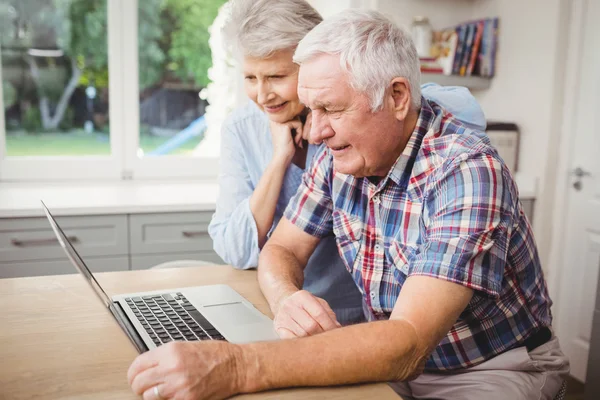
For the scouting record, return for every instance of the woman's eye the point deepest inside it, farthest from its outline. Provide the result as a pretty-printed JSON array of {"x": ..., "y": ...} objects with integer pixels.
[{"x": 250, "y": 78}]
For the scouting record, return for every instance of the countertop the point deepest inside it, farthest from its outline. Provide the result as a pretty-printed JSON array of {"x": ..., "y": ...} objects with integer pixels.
[
  {"x": 100, "y": 198},
  {"x": 127, "y": 197}
]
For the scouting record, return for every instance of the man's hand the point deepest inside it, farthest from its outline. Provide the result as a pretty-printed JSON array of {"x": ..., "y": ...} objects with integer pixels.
[
  {"x": 302, "y": 314},
  {"x": 187, "y": 370}
]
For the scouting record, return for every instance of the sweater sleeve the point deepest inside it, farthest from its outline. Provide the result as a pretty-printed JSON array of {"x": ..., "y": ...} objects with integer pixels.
[{"x": 232, "y": 228}]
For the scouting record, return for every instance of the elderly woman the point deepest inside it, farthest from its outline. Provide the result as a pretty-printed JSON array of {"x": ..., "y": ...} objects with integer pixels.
[{"x": 264, "y": 155}]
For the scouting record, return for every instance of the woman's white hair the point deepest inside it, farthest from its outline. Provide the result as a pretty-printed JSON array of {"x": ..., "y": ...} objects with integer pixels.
[
  {"x": 373, "y": 50},
  {"x": 258, "y": 28}
]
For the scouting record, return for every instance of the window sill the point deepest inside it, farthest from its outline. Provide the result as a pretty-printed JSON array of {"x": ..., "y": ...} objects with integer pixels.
[{"x": 101, "y": 198}]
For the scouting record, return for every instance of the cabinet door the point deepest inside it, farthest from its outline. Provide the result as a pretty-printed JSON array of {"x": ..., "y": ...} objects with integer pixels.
[
  {"x": 152, "y": 260},
  {"x": 59, "y": 267},
  {"x": 170, "y": 233},
  {"x": 23, "y": 239}
]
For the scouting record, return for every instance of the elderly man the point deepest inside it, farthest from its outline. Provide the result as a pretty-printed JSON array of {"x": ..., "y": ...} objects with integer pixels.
[{"x": 428, "y": 222}]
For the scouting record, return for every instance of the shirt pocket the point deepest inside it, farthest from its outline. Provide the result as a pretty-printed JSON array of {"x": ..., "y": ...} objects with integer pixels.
[
  {"x": 400, "y": 256},
  {"x": 348, "y": 236}
]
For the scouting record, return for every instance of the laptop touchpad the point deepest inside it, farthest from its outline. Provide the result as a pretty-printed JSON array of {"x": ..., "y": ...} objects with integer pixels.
[{"x": 237, "y": 312}]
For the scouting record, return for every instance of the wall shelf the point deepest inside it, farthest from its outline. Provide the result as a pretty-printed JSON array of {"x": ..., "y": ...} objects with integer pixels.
[{"x": 471, "y": 82}]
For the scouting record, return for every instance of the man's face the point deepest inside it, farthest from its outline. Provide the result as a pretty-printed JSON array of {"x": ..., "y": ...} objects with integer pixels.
[
  {"x": 272, "y": 83},
  {"x": 362, "y": 143}
]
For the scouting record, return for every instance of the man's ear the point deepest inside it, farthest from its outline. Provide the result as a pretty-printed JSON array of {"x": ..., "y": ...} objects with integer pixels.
[{"x": 401, "y": 97}]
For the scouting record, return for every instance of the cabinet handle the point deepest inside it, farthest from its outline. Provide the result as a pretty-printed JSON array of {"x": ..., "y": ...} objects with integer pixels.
[
  {"x": 191, "y": 234},
  {"x": 40, "y": 242}
]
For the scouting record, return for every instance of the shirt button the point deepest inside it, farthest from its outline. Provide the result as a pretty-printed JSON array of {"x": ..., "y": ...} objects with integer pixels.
[
  {"x": 377, "y": 247},
  {"x": 373, "y": 295},
  {"x": 376, "y": 199}
]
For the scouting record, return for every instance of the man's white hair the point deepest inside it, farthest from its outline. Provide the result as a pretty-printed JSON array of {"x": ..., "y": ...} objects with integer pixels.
[
  {"x": 373, "y": 50},
  {"x": 258, "y": 28}
]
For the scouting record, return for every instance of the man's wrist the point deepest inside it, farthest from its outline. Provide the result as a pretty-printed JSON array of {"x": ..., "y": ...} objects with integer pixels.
[
  {"x": 248, "y": 371},
  {"x": 284, "y": 294}
]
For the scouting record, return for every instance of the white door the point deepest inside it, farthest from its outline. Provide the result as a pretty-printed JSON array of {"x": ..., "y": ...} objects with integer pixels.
[{"x": 581, "y": 244}]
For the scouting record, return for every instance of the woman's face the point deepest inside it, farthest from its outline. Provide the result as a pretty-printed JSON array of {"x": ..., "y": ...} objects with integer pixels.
[{"x": 272, "y": 83}]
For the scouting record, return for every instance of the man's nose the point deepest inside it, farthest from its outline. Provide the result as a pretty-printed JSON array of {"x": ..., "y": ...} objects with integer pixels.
[{"x": 320, "y": 128}]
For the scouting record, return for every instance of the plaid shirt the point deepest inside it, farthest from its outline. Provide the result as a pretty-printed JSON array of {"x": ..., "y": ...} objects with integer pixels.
[{"x": 447, "y": 209}]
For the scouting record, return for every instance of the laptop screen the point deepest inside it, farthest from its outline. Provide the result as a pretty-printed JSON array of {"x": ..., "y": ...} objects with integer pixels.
[{"x": 76, "y": 259}]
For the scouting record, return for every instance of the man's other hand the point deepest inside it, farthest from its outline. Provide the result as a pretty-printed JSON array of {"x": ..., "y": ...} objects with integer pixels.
[
  {"x": 303, "y": 314},
  {"x": 187, "y": 370}
]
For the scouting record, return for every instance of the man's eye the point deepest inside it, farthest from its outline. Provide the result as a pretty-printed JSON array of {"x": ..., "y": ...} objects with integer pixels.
[
  {"x": 333, "y": 113},
  {"x": 277, "y": 76},
  {"x": 250, "y": 78}
]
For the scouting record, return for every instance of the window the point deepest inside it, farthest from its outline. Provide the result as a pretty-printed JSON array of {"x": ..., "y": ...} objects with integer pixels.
[
  {"x": 49, "y": 78},
  {"x": 52, "y": 55},
  {"x": 107, "y": 89}
]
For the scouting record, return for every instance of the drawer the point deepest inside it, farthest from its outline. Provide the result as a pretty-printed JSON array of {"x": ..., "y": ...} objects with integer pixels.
[
  {"x": 59, "y": 267},
  {"x": 151, "y": 260},
  {"x": 24, "y": 239},
  {"x": 170, "y": 232}
]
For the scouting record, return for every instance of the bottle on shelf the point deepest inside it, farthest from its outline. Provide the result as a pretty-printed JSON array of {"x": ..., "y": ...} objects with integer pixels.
[{"x": 422, "y": 34}]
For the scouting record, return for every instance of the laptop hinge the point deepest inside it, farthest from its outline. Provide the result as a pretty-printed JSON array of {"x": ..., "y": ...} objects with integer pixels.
[{"x": 122, "y": 319}]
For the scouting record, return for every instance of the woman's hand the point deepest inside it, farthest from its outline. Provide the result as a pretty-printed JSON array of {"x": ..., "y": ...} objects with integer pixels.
[
  {"x": 284, "y": 142},
  {"x": 306, "y": 128}
]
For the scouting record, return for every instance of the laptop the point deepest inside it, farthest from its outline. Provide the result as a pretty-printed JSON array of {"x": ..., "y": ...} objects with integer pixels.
[{"x": 150, "y": 319}]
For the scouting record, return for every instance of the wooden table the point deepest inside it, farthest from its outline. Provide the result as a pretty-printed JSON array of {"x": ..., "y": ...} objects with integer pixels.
[{"x": 57, "y": 341}]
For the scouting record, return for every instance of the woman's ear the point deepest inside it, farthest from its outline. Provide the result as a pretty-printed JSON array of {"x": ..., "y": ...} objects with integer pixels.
[{"x": 401, "y": 97}]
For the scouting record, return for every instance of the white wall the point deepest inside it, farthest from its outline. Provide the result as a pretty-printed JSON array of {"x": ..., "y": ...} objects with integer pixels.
[
  {"x": 441, "y": 13},
  {"x": 329, "y": 7}
]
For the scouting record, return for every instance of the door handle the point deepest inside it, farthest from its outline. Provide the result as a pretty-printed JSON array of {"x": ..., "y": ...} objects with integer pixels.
[
  {"x": 191, "y": 234},
  {"x": 579, "y": 173},
  {"x": 39, "y": 242}
]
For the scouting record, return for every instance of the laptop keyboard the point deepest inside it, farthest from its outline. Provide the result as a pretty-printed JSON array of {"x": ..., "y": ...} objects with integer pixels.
[{"x": 171, "y": 317}]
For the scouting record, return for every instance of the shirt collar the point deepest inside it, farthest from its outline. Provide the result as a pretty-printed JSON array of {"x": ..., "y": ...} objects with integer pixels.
[{"x": 401, "y": 170}]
